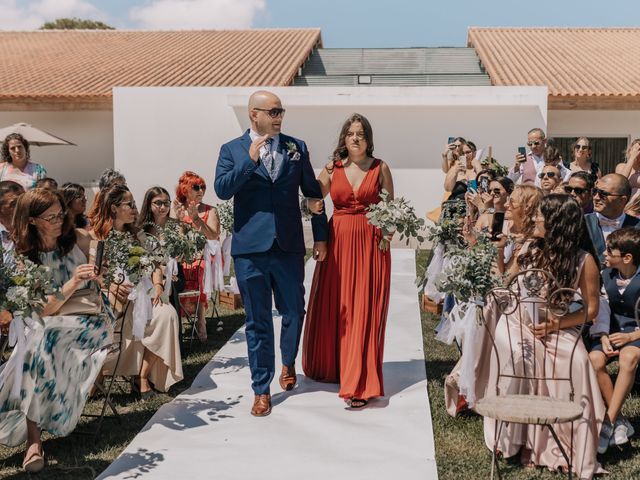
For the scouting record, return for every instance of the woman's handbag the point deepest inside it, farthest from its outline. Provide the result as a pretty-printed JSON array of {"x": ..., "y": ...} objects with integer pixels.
[{"x": 86, "y": 301}]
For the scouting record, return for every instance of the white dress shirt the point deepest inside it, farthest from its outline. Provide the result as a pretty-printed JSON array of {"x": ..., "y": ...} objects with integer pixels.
[{"x": 277, "y": 157}]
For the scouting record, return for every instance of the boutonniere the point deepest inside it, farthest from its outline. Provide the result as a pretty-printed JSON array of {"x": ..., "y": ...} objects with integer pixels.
[{"x": 292, "y": 151}]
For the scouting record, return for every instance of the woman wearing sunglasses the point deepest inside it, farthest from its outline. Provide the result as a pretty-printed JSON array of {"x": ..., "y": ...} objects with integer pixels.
[
  {"x": 154, "y": 216},
  {"x": 188, "y": 207},
  {"x": 154, "y": 359},
  {"x": 581, "y": 152}
]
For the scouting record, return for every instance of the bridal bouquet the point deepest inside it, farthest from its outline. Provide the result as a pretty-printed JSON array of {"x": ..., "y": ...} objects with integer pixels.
[
  {"x": 25, "y": 287},
  {"x": 225, "y": 214},
  {"x": 394, "y": 215}
]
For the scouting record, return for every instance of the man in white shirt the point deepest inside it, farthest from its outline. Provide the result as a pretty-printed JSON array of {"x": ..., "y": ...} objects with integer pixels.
[{"x": 529, "y": 166}]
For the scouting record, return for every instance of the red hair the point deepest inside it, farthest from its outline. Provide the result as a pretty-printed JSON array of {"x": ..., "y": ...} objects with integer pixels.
[{"x": 186, "y": 183}]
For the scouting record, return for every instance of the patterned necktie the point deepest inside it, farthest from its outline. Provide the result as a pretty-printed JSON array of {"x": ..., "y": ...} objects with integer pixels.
[{"x": 268, "y": 160}]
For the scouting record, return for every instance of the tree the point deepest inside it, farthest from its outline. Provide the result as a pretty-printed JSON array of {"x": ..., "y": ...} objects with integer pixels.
[{"x": 75, "y": 24}]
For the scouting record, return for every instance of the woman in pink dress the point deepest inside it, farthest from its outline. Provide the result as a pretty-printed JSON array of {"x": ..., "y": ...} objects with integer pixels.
[{"x": 563, "y": 248}]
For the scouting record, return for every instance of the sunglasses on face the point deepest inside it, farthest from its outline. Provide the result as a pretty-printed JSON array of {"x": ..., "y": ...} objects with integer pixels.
[
  {"x": 610, "y": 253},
  {"x": 54, "y": 217},
  {"x": 131, "y": 205},
  {"x": 546, "y": 174},
  {"x": 496, "y": 191},
  {"x": 582, "y": 147},
  {"x": 534, "y": 144},
  {"x": 162, "y": 203},
  {"x": 603, "y": 194},
  {"x": 272, "y": 112},
  {"x": 578, "y": 191},
  {"x": 198, "y": 188}
]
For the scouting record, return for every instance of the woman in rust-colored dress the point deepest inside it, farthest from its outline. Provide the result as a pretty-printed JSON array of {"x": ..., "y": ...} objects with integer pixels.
[{"x": 349, "y": 298}]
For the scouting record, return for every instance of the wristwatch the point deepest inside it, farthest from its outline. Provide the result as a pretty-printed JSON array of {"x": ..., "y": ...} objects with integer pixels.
[{"x": 491, "y": 210}]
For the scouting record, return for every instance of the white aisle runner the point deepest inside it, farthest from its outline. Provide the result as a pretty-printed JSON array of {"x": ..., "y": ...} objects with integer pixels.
[{"x": 208, "y": 433}]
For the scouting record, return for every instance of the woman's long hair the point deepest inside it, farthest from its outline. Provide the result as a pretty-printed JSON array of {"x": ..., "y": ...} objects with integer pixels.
[
  {"x": 340, "y": 151},
  {"x": 34, "y": 203},
  {"x": 101, "y": 216},
  {"x": 146, "y": 215},
  {"x": 565, "y": 235},
  {"x": 70, "y": 192},
  {"x": 530, "y": 198}
]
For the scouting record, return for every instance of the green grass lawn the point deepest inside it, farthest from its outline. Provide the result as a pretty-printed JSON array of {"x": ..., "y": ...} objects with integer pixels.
[
  {"x": 460, "y": 449},
  {"x": 80, "y": 457}
]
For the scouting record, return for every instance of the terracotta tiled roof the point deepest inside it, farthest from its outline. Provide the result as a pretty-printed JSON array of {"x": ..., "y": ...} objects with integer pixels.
[
  {"x": 84, "y": 65},
  {"x": 571, "y": 62}
]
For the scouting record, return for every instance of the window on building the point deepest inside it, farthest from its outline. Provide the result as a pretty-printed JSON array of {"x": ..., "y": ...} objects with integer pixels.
[{"x": 606, "y": 151}]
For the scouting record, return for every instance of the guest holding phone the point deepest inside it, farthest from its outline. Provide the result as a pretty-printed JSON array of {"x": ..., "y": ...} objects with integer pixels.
[
  {"x": 488, "y": 221},
  {"x": 464, "y": 169},
  {"x": 630, "y": 168},
  {"x": 451, "y": 152},
  {"x": 63, "y": 357}
]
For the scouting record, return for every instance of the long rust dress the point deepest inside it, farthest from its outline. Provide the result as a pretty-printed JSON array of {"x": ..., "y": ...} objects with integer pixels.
[{"x": 349, "y": 298}]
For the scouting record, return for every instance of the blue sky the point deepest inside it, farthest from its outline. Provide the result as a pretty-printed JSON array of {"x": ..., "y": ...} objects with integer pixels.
[{"x": 344, "y": 23}]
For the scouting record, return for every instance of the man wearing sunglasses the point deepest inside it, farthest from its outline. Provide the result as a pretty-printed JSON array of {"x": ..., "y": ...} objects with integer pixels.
[
  {"x": 528, "y": 167},
  {"x": 610, "y": 196},
  {"x": 262, "y": 170},
  {"x": 580, "y": 187},
  {"x": 549, "y": 179}
]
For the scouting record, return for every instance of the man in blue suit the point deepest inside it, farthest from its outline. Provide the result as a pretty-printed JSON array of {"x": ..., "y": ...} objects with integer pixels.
[
  {"x": 610, "y": 196},
  {"x": 262, "y": 170}
]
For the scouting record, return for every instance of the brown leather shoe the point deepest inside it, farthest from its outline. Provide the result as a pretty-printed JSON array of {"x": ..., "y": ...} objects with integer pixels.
[
  {"x": 288, "y": 378},
  {"x": 261, "y": 406}
]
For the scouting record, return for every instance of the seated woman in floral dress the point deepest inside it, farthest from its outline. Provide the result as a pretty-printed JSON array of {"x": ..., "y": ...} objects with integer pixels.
[{"x": 63, "y": 357}]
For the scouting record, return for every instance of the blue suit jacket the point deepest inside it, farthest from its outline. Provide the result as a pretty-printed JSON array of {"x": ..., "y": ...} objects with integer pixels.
[
  {"x": 264, "y": 210},
  {"x": 597, "y": 237}
]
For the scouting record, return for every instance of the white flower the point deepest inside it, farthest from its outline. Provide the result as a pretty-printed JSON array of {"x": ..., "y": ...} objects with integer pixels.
[{"x": 17, "y": 294}]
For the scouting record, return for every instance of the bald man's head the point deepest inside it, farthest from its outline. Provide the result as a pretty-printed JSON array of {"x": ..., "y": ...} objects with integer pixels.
[{"x": 265, "y": 112}]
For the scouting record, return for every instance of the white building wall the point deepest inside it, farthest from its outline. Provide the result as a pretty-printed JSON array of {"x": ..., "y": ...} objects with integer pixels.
[
  {"x": 91, "y": 131},
  {"x": 594, "y": 123},
  {"x": 160, "y": 132}
]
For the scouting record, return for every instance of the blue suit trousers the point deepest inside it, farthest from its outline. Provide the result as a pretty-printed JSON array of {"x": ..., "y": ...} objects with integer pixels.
[{"x": 259, "y": 276}]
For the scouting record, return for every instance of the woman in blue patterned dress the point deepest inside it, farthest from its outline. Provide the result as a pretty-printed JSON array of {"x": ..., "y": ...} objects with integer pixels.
[{"x": 63, "y": 358}]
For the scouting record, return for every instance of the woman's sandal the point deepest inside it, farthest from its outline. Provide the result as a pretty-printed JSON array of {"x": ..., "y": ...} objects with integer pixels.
[
  {"x": 34, "y": 462},
  {"x": 357, "y": 403}
]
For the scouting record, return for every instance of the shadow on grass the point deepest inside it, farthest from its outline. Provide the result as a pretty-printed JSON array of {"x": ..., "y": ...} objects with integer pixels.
[{"x": 84, "y": 457}]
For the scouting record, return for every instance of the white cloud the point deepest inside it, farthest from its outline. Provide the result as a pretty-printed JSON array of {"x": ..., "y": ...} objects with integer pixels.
[
  {"x": 34, "y": 14},
  {"x": 197, "y": 14}
]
